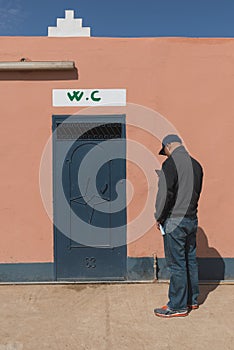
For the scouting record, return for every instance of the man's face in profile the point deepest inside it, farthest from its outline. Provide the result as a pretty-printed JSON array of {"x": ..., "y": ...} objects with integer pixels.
[{"x": 166, "y": 151}]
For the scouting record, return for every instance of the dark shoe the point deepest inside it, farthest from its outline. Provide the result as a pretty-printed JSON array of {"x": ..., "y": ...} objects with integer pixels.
[
  {"x": 166, "y": 312},
  {"x": 193, "y": 307}
]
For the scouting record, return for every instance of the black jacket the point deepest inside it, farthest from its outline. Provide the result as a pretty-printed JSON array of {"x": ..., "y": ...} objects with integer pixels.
[{"x": 179, "y": 186}]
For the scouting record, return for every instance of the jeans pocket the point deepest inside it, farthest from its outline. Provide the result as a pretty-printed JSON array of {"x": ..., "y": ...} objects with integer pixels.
[{"x": 171, "y": 224}]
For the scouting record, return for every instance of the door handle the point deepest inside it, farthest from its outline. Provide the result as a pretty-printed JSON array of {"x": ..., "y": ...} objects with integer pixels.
[{"x": 104, "y": 188}]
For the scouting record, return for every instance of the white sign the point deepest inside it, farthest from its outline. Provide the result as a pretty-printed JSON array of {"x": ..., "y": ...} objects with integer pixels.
[{"x": 89, "y": 97}]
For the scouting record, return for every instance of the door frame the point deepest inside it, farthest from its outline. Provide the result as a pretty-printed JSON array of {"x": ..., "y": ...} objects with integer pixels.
[{"x": 58, "y": 118}]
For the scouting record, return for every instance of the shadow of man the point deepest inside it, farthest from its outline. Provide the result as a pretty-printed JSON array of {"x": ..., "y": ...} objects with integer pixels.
[{"x": 211, "y": 267}]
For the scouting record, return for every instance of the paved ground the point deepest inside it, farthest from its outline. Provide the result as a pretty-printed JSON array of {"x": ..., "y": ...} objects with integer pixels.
[{"x": 119, "y": 316}]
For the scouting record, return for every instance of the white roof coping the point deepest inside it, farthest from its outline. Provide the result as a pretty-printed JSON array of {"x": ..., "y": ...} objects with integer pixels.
[{"x": 69, "y": 27}]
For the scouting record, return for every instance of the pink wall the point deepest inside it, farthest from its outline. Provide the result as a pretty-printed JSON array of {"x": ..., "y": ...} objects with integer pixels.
[{"x": 188, "y": 81}]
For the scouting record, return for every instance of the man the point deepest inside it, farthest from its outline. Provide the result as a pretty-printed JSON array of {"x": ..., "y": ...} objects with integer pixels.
[{"x": 179, "y": 188}]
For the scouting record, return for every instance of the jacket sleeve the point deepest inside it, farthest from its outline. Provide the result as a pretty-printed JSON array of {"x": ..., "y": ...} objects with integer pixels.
[{"x": 166, "y": 191}]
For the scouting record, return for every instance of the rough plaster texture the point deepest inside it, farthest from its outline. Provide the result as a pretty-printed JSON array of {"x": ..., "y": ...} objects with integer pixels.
[{"x": 188, "y": 81}]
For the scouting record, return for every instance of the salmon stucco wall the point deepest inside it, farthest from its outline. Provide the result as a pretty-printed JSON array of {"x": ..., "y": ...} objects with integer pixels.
[{"x": 188, "y": 81}]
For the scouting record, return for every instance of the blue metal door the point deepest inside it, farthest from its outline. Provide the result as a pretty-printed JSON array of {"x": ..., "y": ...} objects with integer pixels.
[{"x": 89, "y": 228}]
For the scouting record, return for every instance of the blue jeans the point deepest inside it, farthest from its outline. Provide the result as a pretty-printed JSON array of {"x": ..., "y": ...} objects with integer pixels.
[{"x": 180, "y": 253}]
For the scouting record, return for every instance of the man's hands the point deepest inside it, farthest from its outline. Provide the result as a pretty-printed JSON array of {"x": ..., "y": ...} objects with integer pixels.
[{"x": 157, "y": 222}]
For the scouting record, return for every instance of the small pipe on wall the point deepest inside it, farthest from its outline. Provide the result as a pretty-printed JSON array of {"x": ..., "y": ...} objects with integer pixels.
[{"x": 37, "y": 65}]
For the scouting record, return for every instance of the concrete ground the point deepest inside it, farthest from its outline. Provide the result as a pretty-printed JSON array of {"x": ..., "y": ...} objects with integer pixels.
[{"x": 117, "y": 316}]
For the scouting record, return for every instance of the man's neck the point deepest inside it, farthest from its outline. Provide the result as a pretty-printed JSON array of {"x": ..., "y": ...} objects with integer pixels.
[{"x": 175, "y": 146}]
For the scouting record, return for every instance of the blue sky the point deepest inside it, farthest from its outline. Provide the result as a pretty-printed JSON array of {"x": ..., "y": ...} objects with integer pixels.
[{"x": 122, "y": 18}]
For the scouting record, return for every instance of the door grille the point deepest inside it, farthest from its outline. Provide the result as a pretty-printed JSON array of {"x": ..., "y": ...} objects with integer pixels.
[{"x": 88, "y": 131}]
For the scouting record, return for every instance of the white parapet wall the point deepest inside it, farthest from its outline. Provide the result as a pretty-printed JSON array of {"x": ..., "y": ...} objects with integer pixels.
[{"x": 69, "y": 27}]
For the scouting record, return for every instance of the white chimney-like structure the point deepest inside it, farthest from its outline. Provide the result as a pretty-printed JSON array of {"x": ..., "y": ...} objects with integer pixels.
[{"x": 69, "y": 27}]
